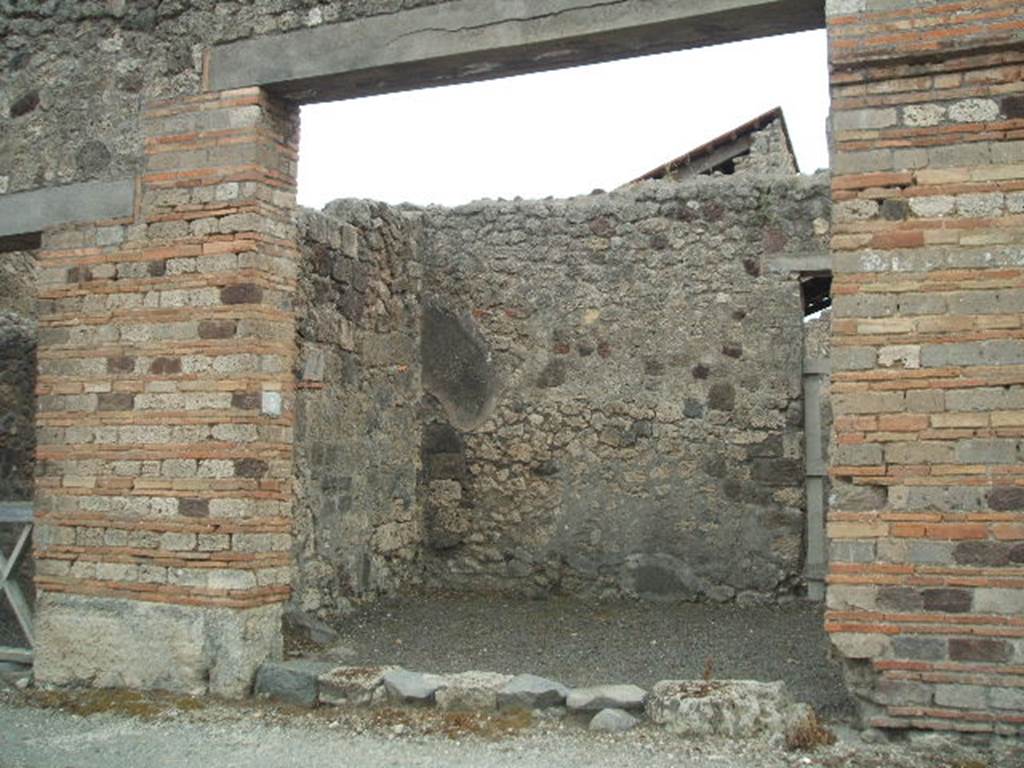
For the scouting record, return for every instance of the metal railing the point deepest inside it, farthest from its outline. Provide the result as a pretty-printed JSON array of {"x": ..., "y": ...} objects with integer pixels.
[{"x": 18, "y": 513}]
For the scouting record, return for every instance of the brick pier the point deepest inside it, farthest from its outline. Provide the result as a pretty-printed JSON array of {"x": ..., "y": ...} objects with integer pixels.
[
  {"x": 165, "y": 410},
  {"x": 926, "y": 581}
]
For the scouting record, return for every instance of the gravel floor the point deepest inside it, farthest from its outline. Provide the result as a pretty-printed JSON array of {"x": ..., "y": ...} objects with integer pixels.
[
  {"x": 39, "y": 730},
  {"x": 583, "y": 644}
]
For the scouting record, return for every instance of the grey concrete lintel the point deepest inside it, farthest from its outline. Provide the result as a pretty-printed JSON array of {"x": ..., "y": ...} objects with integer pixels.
[
  {"x": 807, "y": 263},
  {"x": 23, "y": 213},
  {"x": 467, "y": 40}
]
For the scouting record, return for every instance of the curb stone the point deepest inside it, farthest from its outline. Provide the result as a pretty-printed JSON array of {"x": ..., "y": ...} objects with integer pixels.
[
  {"x": 737, "y": 709},
  {"x": 293, "y": 682}
]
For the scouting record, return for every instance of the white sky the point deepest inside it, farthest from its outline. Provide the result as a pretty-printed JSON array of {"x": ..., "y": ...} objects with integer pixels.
[{"x": 560, "y": 133}]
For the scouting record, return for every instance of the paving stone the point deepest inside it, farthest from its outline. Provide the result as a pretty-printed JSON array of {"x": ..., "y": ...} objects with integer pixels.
[
  {"x": 613, "y": 721},
  {"x": 475, "y": 691},
  {"x": 531, "y": 692},
  {"x": 737, "y": 709},
  {"x": 293, "y": 682},
  {"x": 405, "y": 687},
  {"x": 606, "y": 697},
  {"x": 358, "y": 686}
]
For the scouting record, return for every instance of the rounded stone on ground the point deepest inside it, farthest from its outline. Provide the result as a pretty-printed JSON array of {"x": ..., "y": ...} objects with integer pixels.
[
  {"x": 613, "y": 721},
  {"x": 407, "y": 687},
  {"x": 531, "y": 692}
]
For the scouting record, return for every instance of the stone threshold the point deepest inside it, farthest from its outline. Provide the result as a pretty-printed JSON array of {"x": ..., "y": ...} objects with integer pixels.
[{"x": 738, "y": 709}]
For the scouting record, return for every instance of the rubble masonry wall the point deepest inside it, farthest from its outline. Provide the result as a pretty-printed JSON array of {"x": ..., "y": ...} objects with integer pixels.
[{"x": 610, "y": 398}]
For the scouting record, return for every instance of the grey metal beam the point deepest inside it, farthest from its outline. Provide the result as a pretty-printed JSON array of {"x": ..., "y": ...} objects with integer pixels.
[
  {"x": 17, "y": 655},
  {"x": 816, "y": 556},
  {"x": 22, "y": 213},
  {"x": 16, "y": 511},
  {"x": 466, "y": 40}
]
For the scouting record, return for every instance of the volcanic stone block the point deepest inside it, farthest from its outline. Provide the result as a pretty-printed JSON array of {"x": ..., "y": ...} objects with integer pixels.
[
  {"x": 473, "y": 691},
  {"x": 531, "y": 692},
  {"x": 613, "y": 721},
  {"x": 407, "y": 687},
  {"x": 108, "y": 642},
  {"x": 606, "y": 697},
  {"x": 293, "y": 682},
  {"x": 352, "y": 685},
  {"x": 736, "y": 709}
]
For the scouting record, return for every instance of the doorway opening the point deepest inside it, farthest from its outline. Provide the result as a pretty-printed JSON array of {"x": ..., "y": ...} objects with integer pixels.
[{"x": 596, "y": 396}]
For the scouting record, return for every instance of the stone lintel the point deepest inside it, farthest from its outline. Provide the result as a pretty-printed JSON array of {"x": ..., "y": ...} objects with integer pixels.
[
  {"x": 24, "y": 213},
  {"x": 468, "y": 40},
  {"x": 799, "y": 262}
]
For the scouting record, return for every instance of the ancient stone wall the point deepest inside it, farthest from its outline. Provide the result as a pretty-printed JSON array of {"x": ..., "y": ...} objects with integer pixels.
[
  {"x": 76, "y": 74},
  {"x": 770, "y": 152},
  {"x": 613, "y": 390},
  {"x": 357, "y": 428},
  {"x": 927, "y": 530},
  {"x": 168, "y": 540},
  {"x": 596, "y": 396},
  {"x": 166, "y": 330}
]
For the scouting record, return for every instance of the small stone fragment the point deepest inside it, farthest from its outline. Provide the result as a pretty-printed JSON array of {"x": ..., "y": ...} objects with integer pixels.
[
  {"x": 606, "y": 697},
  {"x": 356, "y": 686},
  {"x": 613, "y": 721},
  {"x": 531, "y": 692}
]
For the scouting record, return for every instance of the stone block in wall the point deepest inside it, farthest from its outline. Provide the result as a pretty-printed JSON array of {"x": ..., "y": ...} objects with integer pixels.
[
  {"x": 447, "y": 519},
  {"x": 182, "y": 648}
]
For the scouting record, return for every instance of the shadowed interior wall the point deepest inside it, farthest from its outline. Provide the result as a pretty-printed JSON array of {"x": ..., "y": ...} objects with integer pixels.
[
  {"x": 18, "y": 336},
  {"x": 358, "y": 530},
  {"x": 17, "y": 374}
]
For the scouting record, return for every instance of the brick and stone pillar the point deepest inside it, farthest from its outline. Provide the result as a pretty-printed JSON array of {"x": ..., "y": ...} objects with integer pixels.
[
  {"x": 926, "y": 581},
  {"x": 165, "y": 411}
]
